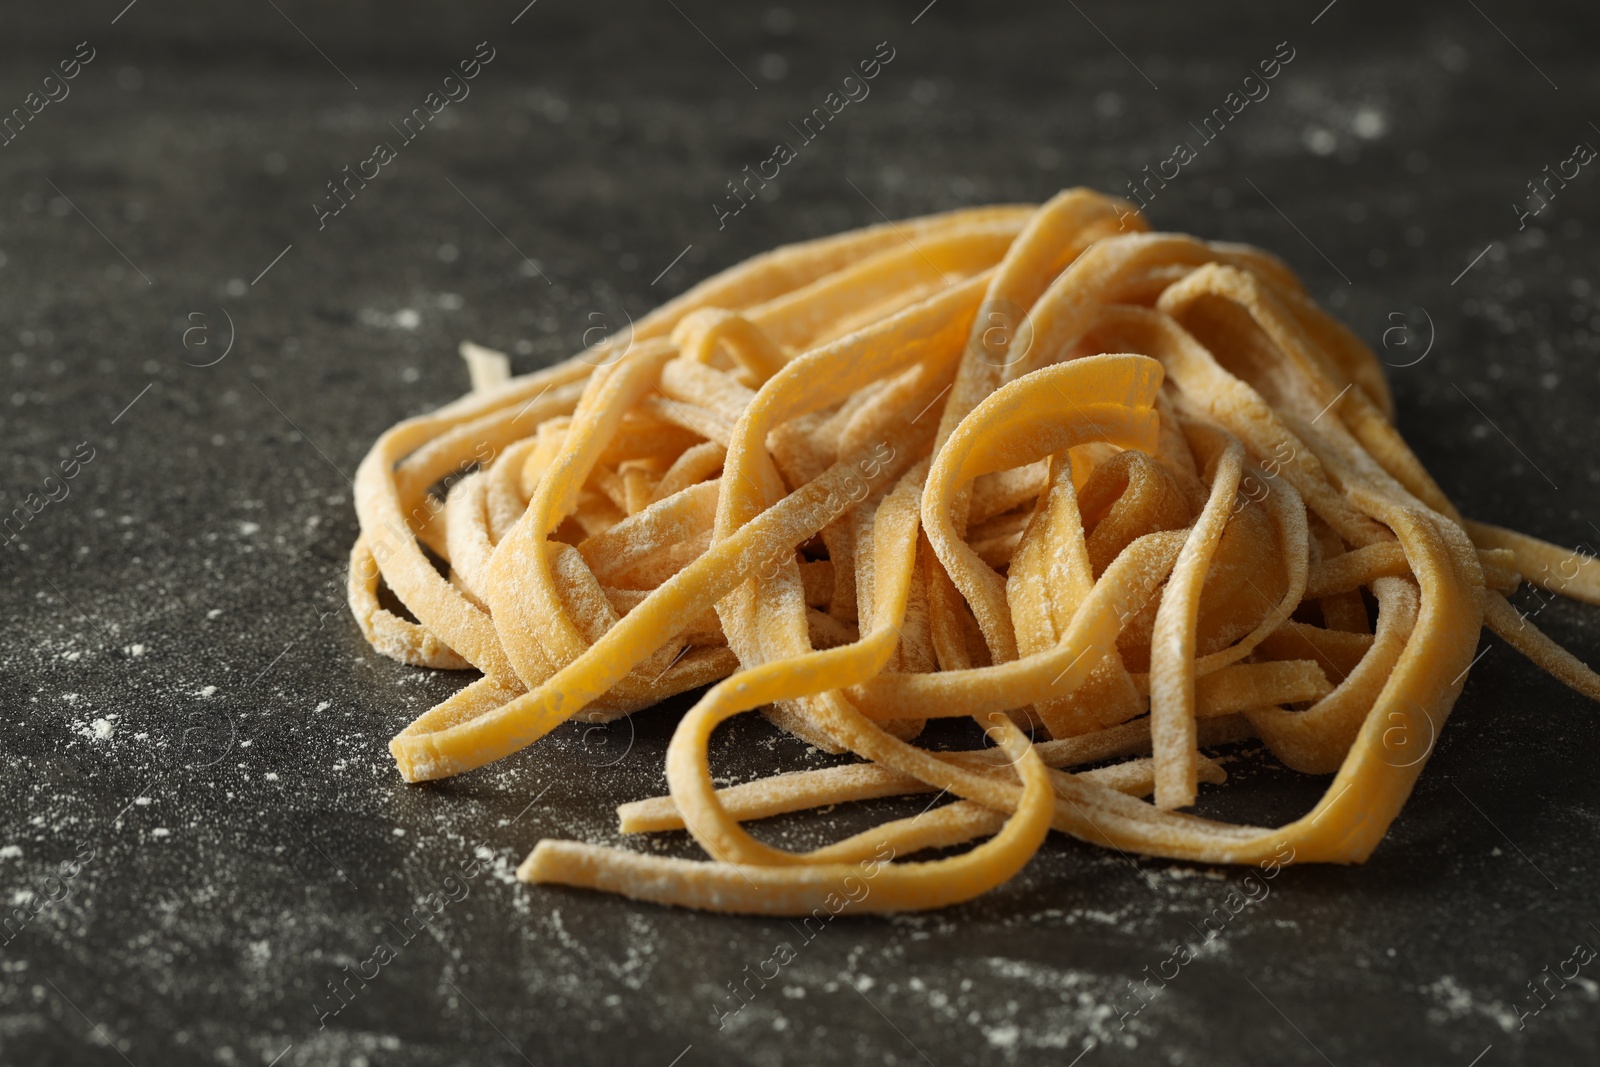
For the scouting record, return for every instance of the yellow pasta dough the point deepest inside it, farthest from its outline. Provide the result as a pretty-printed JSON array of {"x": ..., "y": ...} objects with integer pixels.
[{"x": 1114, "y": 495}]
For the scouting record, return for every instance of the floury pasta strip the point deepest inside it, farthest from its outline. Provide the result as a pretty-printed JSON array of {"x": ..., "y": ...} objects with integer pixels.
[{"x": 1116, "y": 496}]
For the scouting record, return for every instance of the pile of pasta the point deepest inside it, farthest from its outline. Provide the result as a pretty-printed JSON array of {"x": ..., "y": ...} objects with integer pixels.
[{"x": 1118, "y": 496}]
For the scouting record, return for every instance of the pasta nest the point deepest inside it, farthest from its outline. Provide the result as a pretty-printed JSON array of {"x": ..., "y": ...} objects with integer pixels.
[{"x": 1117, "y": 496}]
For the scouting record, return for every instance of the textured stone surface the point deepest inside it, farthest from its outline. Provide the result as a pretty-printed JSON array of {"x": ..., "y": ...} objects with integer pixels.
[{"x": 187, "y": 712}]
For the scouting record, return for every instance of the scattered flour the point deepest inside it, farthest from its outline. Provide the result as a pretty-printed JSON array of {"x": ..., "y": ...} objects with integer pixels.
[
  {"x": 502, "y": 869},
  {"x": 1452, "y": 1001},
  {"x": 1003, "y": 1036},
  {"x": 100, "y": 729}
]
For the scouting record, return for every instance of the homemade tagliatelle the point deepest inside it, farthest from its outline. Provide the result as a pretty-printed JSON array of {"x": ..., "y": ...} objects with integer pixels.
[{"x": 1118, "y": 496}]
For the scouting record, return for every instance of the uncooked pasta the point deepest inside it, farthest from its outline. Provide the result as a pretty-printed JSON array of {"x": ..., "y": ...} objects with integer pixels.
[{"x": 1119, "y": 497}]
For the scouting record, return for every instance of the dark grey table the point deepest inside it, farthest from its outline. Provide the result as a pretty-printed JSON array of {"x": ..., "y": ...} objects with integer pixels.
[{"x": 201, "y": 831}]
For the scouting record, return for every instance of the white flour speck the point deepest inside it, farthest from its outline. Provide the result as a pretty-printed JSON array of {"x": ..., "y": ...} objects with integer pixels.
[{"x": 1003, "y": 1036}]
